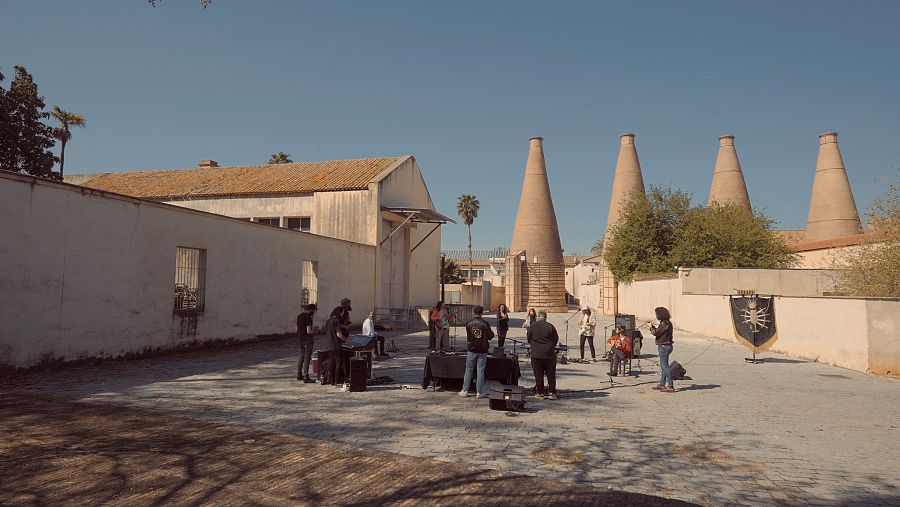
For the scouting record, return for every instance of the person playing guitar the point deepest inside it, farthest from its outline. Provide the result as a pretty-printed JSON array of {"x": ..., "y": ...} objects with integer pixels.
[{"x": 619, "y": 349}]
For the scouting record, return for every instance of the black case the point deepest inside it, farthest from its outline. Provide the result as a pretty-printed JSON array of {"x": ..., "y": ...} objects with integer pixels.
[
  {"x": 507, "y": 398},
  {"x": 358, "y": 375}
]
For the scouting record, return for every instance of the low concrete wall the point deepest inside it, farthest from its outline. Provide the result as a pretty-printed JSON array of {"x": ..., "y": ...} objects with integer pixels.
[
  {"x": 88, "y": 274},
  {"x": 859, "y": 334},
  {"x": 781, "y": 282}
]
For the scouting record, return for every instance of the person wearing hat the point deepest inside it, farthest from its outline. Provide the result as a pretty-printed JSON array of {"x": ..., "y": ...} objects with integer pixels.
[
  {"x": 543, "y": 339},
  {"x": 345, "y": 317},
  {"x": 305, "y": 338}
]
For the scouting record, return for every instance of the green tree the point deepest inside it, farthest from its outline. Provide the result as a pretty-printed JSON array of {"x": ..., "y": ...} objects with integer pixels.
[
  {"x": 662, "y": 230},
  {"x": 280, "y": 158},
  {"x": 873, "y": 268},
  {"x": 452, "y": 273},
  {"x": 25, "y": 141},
  {"x": 467, "y": 208},
  {"x": 642, "y": 240},
  {"x": 730, "y": 236},
  {"x": 66, "y": 121}
]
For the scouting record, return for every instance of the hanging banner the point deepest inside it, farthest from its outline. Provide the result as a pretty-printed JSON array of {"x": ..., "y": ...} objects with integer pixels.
[{"x": 754, "y": 321}]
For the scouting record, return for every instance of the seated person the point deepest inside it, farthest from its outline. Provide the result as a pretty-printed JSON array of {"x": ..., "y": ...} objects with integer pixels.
[
  {"x": 619, "y": 349},
  {"x": 368, "y": 329}
]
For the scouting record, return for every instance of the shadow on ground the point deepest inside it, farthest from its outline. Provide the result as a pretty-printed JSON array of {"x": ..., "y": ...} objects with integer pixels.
[{"x": 60, "y": 452}]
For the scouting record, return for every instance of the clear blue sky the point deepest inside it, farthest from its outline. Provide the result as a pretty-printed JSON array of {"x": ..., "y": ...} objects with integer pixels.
[{"x": 463, "y": 85}]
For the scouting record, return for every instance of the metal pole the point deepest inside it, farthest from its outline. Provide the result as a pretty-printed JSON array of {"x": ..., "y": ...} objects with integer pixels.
[{"x": 443, "y": 264}]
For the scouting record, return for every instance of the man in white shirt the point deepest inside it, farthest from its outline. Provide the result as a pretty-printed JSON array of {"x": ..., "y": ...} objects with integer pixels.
[{"x": 368, "y": 329}]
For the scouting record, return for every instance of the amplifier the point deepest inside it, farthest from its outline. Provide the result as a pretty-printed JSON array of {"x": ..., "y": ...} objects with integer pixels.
[
  {"x": 507, "y": 398},
  {"x": 358, "y": 375},
  {"x": 625, "y": 321}
]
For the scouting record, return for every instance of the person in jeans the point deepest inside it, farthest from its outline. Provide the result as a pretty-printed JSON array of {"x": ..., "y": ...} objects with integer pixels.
[
  {"x": 305, "y": 339},
  {"x": 502, "y": 324},
  {"x": 543, "y": 339},
  {"x": 441, "y": 318},
  {"x": 587, "y": 325},
  {"x": 478, "y": 337},
  {"x": 663, "y": 334}
]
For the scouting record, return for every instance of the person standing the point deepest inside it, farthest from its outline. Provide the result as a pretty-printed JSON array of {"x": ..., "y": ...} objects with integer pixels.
[
  {"x": 478, "y": 337},
  {"x": 441, "y": 317},
  {"x": 368, "y": 329},
  {"x": 587, "y": 325},
  {"x": 502, "y": 324},
  {"x": 543, "y": 339},
  {"x": 530, "y": 318},
  {"x": 664, "y": 344},
  {"x": 345, "y": 317},
  {"x": 334, "y": 338},
  {"x": 305, "y": 338}
]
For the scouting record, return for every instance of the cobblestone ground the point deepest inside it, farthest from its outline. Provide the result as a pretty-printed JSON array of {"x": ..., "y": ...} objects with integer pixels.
[{"x": 786, "y": 432}]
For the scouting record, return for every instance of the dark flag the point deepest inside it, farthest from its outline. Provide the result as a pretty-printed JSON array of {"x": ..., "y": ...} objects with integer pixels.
[{"x": 754, "y": 321}]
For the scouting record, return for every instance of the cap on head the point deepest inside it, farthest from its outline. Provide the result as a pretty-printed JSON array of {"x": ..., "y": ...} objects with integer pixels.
[
  {"x": 345, "y": 302},
  {"x": 542, "y": 314},
  {"x": 312, "y": 307}
]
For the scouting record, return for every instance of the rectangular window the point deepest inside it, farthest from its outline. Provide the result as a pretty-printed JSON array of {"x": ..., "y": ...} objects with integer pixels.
[
  {"x": 274, "y": 222},
  {"x": 299, "y": 224},
  {"x": 190, "y": 279},
  {"x": 310, "y": 283}
]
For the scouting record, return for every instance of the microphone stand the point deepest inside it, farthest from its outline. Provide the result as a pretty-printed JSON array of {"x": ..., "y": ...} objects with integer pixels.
[{"x": 567, "y": 335}]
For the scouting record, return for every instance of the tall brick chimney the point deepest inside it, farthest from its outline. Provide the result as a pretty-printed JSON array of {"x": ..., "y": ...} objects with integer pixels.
[
  {"x": 832, "y": 210},
  {"x": 626, "y": 181},
  {"x": 728, "y": 184},
  {"x": 537, "y": 234}
]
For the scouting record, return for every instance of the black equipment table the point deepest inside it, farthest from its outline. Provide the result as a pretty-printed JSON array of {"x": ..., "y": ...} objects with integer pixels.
[{"x": 453, "y": 368}]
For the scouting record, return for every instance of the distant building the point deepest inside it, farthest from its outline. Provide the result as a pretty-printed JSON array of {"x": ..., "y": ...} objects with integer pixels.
[{"x": 364, "y": 201}]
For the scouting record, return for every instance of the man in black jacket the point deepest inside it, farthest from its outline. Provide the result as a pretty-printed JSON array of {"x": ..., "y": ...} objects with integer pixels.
[
  {"x": 478, "y": 334},
  {"x": 543, "y": 339}
]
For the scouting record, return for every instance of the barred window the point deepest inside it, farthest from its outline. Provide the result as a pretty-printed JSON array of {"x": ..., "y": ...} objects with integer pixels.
[
  {"x": 190, "y": 279},
  {"x": 309, "y": 290}
]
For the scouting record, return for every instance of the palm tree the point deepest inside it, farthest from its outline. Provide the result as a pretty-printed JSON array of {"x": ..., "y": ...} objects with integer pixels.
[
  {"x": 467, "y": 207},
  {"x": 66, "y": 120},
  {"x": 280, "y": 158},
  {"x": 598, "y": 246}
]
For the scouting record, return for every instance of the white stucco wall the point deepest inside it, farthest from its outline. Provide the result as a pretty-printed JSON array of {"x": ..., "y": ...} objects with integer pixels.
[
  {"x": 405, "y": 186},
  {"x": 253, "y": 207},
  {"x": 859, "y": 334},
  {"x": 86, "y": 274}
]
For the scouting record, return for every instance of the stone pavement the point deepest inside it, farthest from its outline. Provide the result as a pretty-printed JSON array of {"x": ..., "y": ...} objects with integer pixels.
[
  {"x": 786, "y": 432},
  {"x": 62, "y": 452}
]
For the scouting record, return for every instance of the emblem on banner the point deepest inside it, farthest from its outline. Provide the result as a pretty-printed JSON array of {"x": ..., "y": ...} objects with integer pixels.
[{"x": 754, "y": 321}]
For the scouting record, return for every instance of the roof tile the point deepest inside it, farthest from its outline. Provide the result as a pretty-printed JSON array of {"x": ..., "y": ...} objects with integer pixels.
[{"x": 245, "y": 180}]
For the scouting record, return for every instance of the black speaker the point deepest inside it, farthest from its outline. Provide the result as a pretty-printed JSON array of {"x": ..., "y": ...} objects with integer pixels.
[
  {"x": 507, "y": 398},
  {"x": 625, "y": 321},
  {"x": 358, "y": 375}
]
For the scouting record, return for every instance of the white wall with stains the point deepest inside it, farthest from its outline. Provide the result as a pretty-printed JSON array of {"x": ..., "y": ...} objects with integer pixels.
[{"x": 89, "y": 274}]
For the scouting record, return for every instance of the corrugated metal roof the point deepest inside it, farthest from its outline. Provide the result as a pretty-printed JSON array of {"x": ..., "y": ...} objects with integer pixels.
[
  {"x": 266, "y": 179},
  {"x": 482, "y": 254}
]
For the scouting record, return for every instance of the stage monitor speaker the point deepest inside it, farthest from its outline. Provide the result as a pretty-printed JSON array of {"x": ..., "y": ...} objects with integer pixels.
[
  {"x": 507, "y": 398},
  {"x": 625, "y": 320},
  {"x": 358, "y": 375}
]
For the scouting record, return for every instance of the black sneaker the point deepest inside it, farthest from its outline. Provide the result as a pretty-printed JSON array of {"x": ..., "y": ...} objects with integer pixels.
[{"x": 308, "y": 380}]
